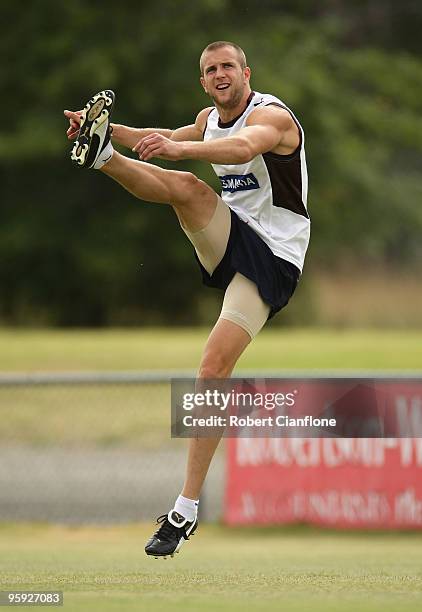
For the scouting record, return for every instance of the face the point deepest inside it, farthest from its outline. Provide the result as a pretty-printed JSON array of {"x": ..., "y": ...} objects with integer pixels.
[{"x": 223, "y": 77}]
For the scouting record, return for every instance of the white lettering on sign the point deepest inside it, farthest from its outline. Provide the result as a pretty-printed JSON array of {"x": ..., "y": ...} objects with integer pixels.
[{"x": 329, "y": 452}]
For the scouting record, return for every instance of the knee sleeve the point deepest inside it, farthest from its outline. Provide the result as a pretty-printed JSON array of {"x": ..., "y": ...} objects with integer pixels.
[
  {"x": 211, "y": 242},
  {"x": 244, "y": 306}
]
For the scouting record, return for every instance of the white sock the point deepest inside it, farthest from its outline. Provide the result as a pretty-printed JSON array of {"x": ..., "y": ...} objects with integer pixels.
[
  {"x": 104, "y": 157},
  {"x": 187, "y": 507}
]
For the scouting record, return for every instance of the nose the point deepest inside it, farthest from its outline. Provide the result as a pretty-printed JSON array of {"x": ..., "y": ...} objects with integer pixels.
[{"x": 220, "y": 72}]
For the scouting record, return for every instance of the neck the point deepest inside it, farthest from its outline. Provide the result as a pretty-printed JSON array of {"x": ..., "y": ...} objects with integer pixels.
[{"x": 228, "y": 114}]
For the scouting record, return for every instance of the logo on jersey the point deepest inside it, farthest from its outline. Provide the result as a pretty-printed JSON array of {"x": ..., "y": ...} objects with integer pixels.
[{"x": 239, "y": 182}]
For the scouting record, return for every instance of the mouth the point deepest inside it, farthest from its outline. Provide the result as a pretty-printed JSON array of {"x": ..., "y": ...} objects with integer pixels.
[{"x": 222, "y": 86}]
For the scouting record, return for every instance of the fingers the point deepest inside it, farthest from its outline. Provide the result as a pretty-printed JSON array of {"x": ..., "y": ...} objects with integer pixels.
[
  {"x": 75, "y": 121},
  {"x": 144, "y": 142},
  {"x": 72, "y": 132},
  {"x": 153, "y": 150},
  {"x": 157, "y": 145},
  {"x": 150, "y": 146},
  {"x": 73, "y": 116}
]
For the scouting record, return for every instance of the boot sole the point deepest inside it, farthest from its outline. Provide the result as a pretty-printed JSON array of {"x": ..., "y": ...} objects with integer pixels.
[{"x": 96, "y": 111}]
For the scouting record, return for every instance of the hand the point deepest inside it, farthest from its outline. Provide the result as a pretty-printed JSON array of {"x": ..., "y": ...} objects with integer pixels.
[
  {"x": 156, "y": 145},
  {"x": 75, "y": 121}
]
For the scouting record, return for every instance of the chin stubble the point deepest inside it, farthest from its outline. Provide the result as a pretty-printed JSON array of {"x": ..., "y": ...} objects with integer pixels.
[{"x": 232, "y": 103}]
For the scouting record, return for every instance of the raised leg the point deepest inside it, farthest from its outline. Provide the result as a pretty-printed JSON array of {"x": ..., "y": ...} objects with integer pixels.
[
  {"x": 195, "y": 203},
  {"x": 193, "y": 200}
]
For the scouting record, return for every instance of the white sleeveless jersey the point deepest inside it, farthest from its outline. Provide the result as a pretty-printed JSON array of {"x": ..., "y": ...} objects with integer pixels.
[{"x": 269, "y": 192}]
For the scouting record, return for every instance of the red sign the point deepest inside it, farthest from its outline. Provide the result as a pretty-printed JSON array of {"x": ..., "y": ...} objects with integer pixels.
[{"x": 343, "y": 482}]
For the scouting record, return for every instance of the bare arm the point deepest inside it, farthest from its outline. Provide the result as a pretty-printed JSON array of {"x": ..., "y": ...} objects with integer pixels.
[
  {"x": 193, "y": 132},
  {"x": 267, "y": 129},
  {"x": 129, "y": 136}
]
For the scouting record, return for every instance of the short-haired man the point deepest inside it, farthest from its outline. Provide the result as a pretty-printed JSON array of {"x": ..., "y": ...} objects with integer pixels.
[{"x": 251, "y": 241}]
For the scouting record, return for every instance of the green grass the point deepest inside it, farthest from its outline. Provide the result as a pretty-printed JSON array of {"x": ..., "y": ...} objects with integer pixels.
[
  {"x": 104, "y": 569},
  {"x": 274, "y": 348},
  {"x": 296, "y": 569},
  {"x": 138, "y": 416},
  {"x": 86, "y": 415}
]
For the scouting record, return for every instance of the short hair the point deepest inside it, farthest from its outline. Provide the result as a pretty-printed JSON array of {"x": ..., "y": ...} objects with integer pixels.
[{"x": 223, "y": 43}]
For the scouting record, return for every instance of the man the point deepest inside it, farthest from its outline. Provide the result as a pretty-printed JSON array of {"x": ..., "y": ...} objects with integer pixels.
[{"x": 251, "y": 242}]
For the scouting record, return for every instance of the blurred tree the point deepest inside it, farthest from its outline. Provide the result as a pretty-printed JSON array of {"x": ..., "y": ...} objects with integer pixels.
[{"x": 75, "y": 249}]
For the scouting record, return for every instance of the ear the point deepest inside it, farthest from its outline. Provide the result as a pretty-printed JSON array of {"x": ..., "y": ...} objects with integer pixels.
[
  {"x": 247, "y": 73},
  {"x": 202, "y": 81}
]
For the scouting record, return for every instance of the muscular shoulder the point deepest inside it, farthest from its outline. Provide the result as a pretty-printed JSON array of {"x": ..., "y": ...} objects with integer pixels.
[
  {"x": 271, "y": 114},
  {"x": 277, "y": 118},
  {"x": 201, "y": 118}
]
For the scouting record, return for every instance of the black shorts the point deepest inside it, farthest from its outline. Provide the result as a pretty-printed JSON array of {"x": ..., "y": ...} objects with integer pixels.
[{"x": 248, "y": 254}]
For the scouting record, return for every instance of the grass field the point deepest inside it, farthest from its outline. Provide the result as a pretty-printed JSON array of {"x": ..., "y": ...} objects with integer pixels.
[
  {"x": 274, "y": 349},
  {"x": 104, "y": 569},
  {"x": 135, "y": 416},
  {"x": 290, "y": 569},
  {"x": 139, "y": 416}
]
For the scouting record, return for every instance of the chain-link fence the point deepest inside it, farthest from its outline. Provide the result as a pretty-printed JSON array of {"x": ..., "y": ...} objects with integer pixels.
[{"x": 93, "y": 448}]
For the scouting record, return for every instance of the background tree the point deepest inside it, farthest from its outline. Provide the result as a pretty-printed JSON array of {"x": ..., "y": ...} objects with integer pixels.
[{"x": 75, "y": 249}]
